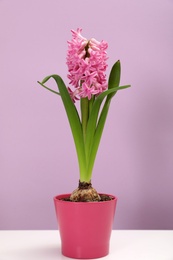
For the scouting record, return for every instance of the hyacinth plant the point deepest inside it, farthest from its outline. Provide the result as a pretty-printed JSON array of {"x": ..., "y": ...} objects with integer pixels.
[{"x": 87, "y": 64}]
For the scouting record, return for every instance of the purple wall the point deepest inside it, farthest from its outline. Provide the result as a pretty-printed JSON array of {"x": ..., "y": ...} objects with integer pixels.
[{"x": 37, "y": 156}]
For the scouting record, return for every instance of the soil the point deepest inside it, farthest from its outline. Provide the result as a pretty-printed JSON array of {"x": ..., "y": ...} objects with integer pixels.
[{"x": 103, "y": 197}]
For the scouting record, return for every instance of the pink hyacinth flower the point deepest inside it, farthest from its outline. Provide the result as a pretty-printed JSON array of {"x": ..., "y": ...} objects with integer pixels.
[{"x": 86, "y": 61}]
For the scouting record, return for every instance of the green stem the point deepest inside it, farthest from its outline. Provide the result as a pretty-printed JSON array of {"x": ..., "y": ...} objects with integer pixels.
[
  {"x": 86, "y": 106},
  {"x": 84, "y": 114},
  {"x": 91, "y": 102}
]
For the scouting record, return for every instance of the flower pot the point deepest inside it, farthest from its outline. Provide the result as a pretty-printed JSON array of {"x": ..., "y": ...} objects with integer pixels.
[{"x": 85, "y": 227}]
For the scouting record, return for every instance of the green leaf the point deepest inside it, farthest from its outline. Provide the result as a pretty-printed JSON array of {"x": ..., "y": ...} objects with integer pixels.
[
  {"x": 74, "y": 121},
  {"x": 115, "y": 74},
  {"x": 95, "y": 136},
  {"x": 93, "y": 117},
  {"x": 114, "y": 77},
  {"x": 55, "y": 92},
  {"x": 91, "y": 126}
]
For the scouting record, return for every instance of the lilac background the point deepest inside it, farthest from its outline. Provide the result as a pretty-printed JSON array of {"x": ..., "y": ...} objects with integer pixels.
[{"x": 37, "y": 156}]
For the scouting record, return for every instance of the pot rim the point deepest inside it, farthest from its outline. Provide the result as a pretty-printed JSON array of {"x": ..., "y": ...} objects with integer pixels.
[{"x": 60, "y": 196}]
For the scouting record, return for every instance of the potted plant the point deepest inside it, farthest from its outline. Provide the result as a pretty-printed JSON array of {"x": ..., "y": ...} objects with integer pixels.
[{"x": 84, "y": 216}]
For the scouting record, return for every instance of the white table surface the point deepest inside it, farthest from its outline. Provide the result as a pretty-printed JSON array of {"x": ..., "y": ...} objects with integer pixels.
[{"x": 125, "y": 245}]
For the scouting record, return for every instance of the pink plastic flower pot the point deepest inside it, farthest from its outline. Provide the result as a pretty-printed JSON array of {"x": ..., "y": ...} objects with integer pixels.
[{"x": 85, "y": 227}]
